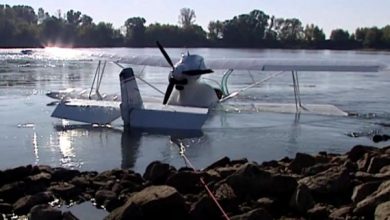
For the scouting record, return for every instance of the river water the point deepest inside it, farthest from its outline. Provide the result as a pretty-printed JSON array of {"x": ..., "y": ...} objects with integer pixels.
[{"x": 28, "y": 135}]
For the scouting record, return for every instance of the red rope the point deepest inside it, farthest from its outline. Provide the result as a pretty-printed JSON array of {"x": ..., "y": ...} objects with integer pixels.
[{"x": 205, "y": 186}]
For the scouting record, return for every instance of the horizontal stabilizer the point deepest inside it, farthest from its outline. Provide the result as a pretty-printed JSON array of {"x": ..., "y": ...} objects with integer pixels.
[{"x": 88, "y": 111}]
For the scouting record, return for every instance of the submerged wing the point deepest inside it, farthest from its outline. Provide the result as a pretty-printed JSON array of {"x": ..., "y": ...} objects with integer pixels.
[
  {"x": 294, "y": 65},
  {"x": 88, "y": 111}
]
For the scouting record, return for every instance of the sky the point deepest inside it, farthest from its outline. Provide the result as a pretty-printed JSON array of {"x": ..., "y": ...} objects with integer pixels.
[{"x": 327, "y": 14}]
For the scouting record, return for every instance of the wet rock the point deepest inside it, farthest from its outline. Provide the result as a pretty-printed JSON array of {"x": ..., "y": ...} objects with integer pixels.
[
  {"x": 154, "y": 202},
  {"x": 40, "y": 178},
  {"x": 45, "y": 212},
  {"x": 301, "y": 161},
  {"x": 241, "y": 161},
  {"x": 5, "y": 208},
  {"x": 226, "y": 171},
  {"x": 80, "y": 181},
  {"x": 318, "y": 212},
  {"x": 376, "y": 164},
  {"x": 205, "y": 208},
  {"x": 62, "y": 174},
  {"x": 382, "y": 211},
  {"x": 66, "y": 191},
  {"x": 369, "y": 177},
  {"x": 301, "y": 200},
  {"x": 157, "y": 173},
  {"x": 385, "y": 169},
  {"x": 341, "y": 213},
  {"x": 335, "y": 180},
  {"x": 266, "y": 203},
  {"x": 357, "y": 152},
  {"x": 317, "y": 168},
  {"x": 185, "y": 182},
  {"x": 250, "y": 181},
  {"x": 364, "y": 162},
  {"x": 361, "y": 191},
  {"x": 255, "y": 214},
  {"x": 12, "y": 191},
  {"x": 102, "y": 196},
  {"x": 219, "y": 163},
  {"x": 15, "y": 174},
  {"x": 226, "y": 197},
  {"x": 367, "y": 206},
  {"x": 24, "y": 204}
]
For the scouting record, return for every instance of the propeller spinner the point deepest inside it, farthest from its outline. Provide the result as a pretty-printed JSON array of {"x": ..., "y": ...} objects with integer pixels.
[{"x": 192, "y": 65}]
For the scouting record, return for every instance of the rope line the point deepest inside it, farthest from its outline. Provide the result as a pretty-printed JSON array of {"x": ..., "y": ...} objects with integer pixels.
[{"x": 188, "y": 162}]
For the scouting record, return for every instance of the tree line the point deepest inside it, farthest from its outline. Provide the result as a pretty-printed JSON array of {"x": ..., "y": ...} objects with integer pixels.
[{"x": 21, "y": 26}]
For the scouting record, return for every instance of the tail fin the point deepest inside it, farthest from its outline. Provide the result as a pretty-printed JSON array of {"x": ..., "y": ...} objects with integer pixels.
[{"x": 131, "y": 97}]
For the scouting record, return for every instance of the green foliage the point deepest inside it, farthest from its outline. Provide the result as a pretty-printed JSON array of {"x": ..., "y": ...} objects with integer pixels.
[{"x": 20, "y": 26}]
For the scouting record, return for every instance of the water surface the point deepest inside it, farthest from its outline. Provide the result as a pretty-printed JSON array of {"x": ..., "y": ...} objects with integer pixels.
[{"x": 30, "y": 136}]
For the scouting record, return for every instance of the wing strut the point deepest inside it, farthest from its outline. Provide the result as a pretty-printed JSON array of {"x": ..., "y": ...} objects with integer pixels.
[{"x": 297, "y": 92}]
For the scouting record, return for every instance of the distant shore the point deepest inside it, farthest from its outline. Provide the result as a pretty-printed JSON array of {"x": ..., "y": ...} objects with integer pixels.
[{"x": 336, "y": 186}]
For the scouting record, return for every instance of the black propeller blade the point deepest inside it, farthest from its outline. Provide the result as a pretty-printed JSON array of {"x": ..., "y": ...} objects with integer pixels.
[
  {"x": 168, "y": 92},
  {"x": 171, "y": 83},
  {"x": 165, "y": 54},
  {"x": 197, "y": 72}
]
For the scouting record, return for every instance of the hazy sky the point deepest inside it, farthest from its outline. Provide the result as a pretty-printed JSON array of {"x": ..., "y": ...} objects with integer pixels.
[{"x": 328, "y": 14}]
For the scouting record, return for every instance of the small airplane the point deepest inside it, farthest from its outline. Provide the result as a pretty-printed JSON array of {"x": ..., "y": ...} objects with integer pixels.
[{"x": 188, "y": 99}]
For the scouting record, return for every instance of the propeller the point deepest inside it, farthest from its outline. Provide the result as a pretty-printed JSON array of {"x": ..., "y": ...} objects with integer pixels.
[{"x": 171, "y": 83}]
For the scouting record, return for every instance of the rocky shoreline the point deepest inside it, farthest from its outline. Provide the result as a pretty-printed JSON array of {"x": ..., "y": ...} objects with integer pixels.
[{"x": 355, "y": 185}]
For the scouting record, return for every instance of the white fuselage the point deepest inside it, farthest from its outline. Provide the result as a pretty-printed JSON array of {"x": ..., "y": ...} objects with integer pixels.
[{"x": 195, "y": 94}]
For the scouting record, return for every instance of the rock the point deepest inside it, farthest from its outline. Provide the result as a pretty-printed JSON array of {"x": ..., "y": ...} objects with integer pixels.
[
  {"x": 5, "y": 208},
  {"x": 317, "y": 168},
  {"x": 250, "y": 181},
  {"x": 318, "y": 212},
  {"x": 45, "y": 212},
  {"x": 62, "y": 174},
  {"x": 341, "y": 213},
  {"x": 255, "y": 214},
  {"x": 385, "y": 169},
  {"x": 65, "y": 190},
  {"x": 205, "y": 208},
  {"x": 185, "y": 182},
  {"x": 24, "y": 204},
  {"x": 15, "y": 174},
  {"x": 364, "y": 162},
  {"x": 219, "y": 163},
  {"x": 266, "y": 203},
  {"x": 157, "y": 172},
  {"x": 368, "y": 177},
  {"x": 80, "y": 181},
  {"x": 12, "y": 191},
  {"x": 361, "y": 191},
  {"x": 226, "y": 197},
  {"x": 301, "y": 161},
  {"x": 154, "y": 202},
  {"x": 382, "y": 211},
  {"x": 357, "y": 152},
  {"x": 226, "y": 171},
  {"x": 102, "y": 196},
  {"x": 333, "y": 181},
  {"x": 301, "y": 200},
  {"x": 376, "y": 163},
  {"x": 367, "y": 206},
  {"x": 40, "y": 178}
]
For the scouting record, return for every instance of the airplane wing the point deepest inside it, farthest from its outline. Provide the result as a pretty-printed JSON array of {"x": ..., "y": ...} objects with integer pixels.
[
  {"x": 294, "y": 65},
  {"x": 261, "y": 64},
  {"x": 88, "y": 111}
]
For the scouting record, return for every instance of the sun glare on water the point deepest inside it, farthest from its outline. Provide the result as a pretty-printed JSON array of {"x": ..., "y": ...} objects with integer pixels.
[{"x": 62, "y": 53}]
